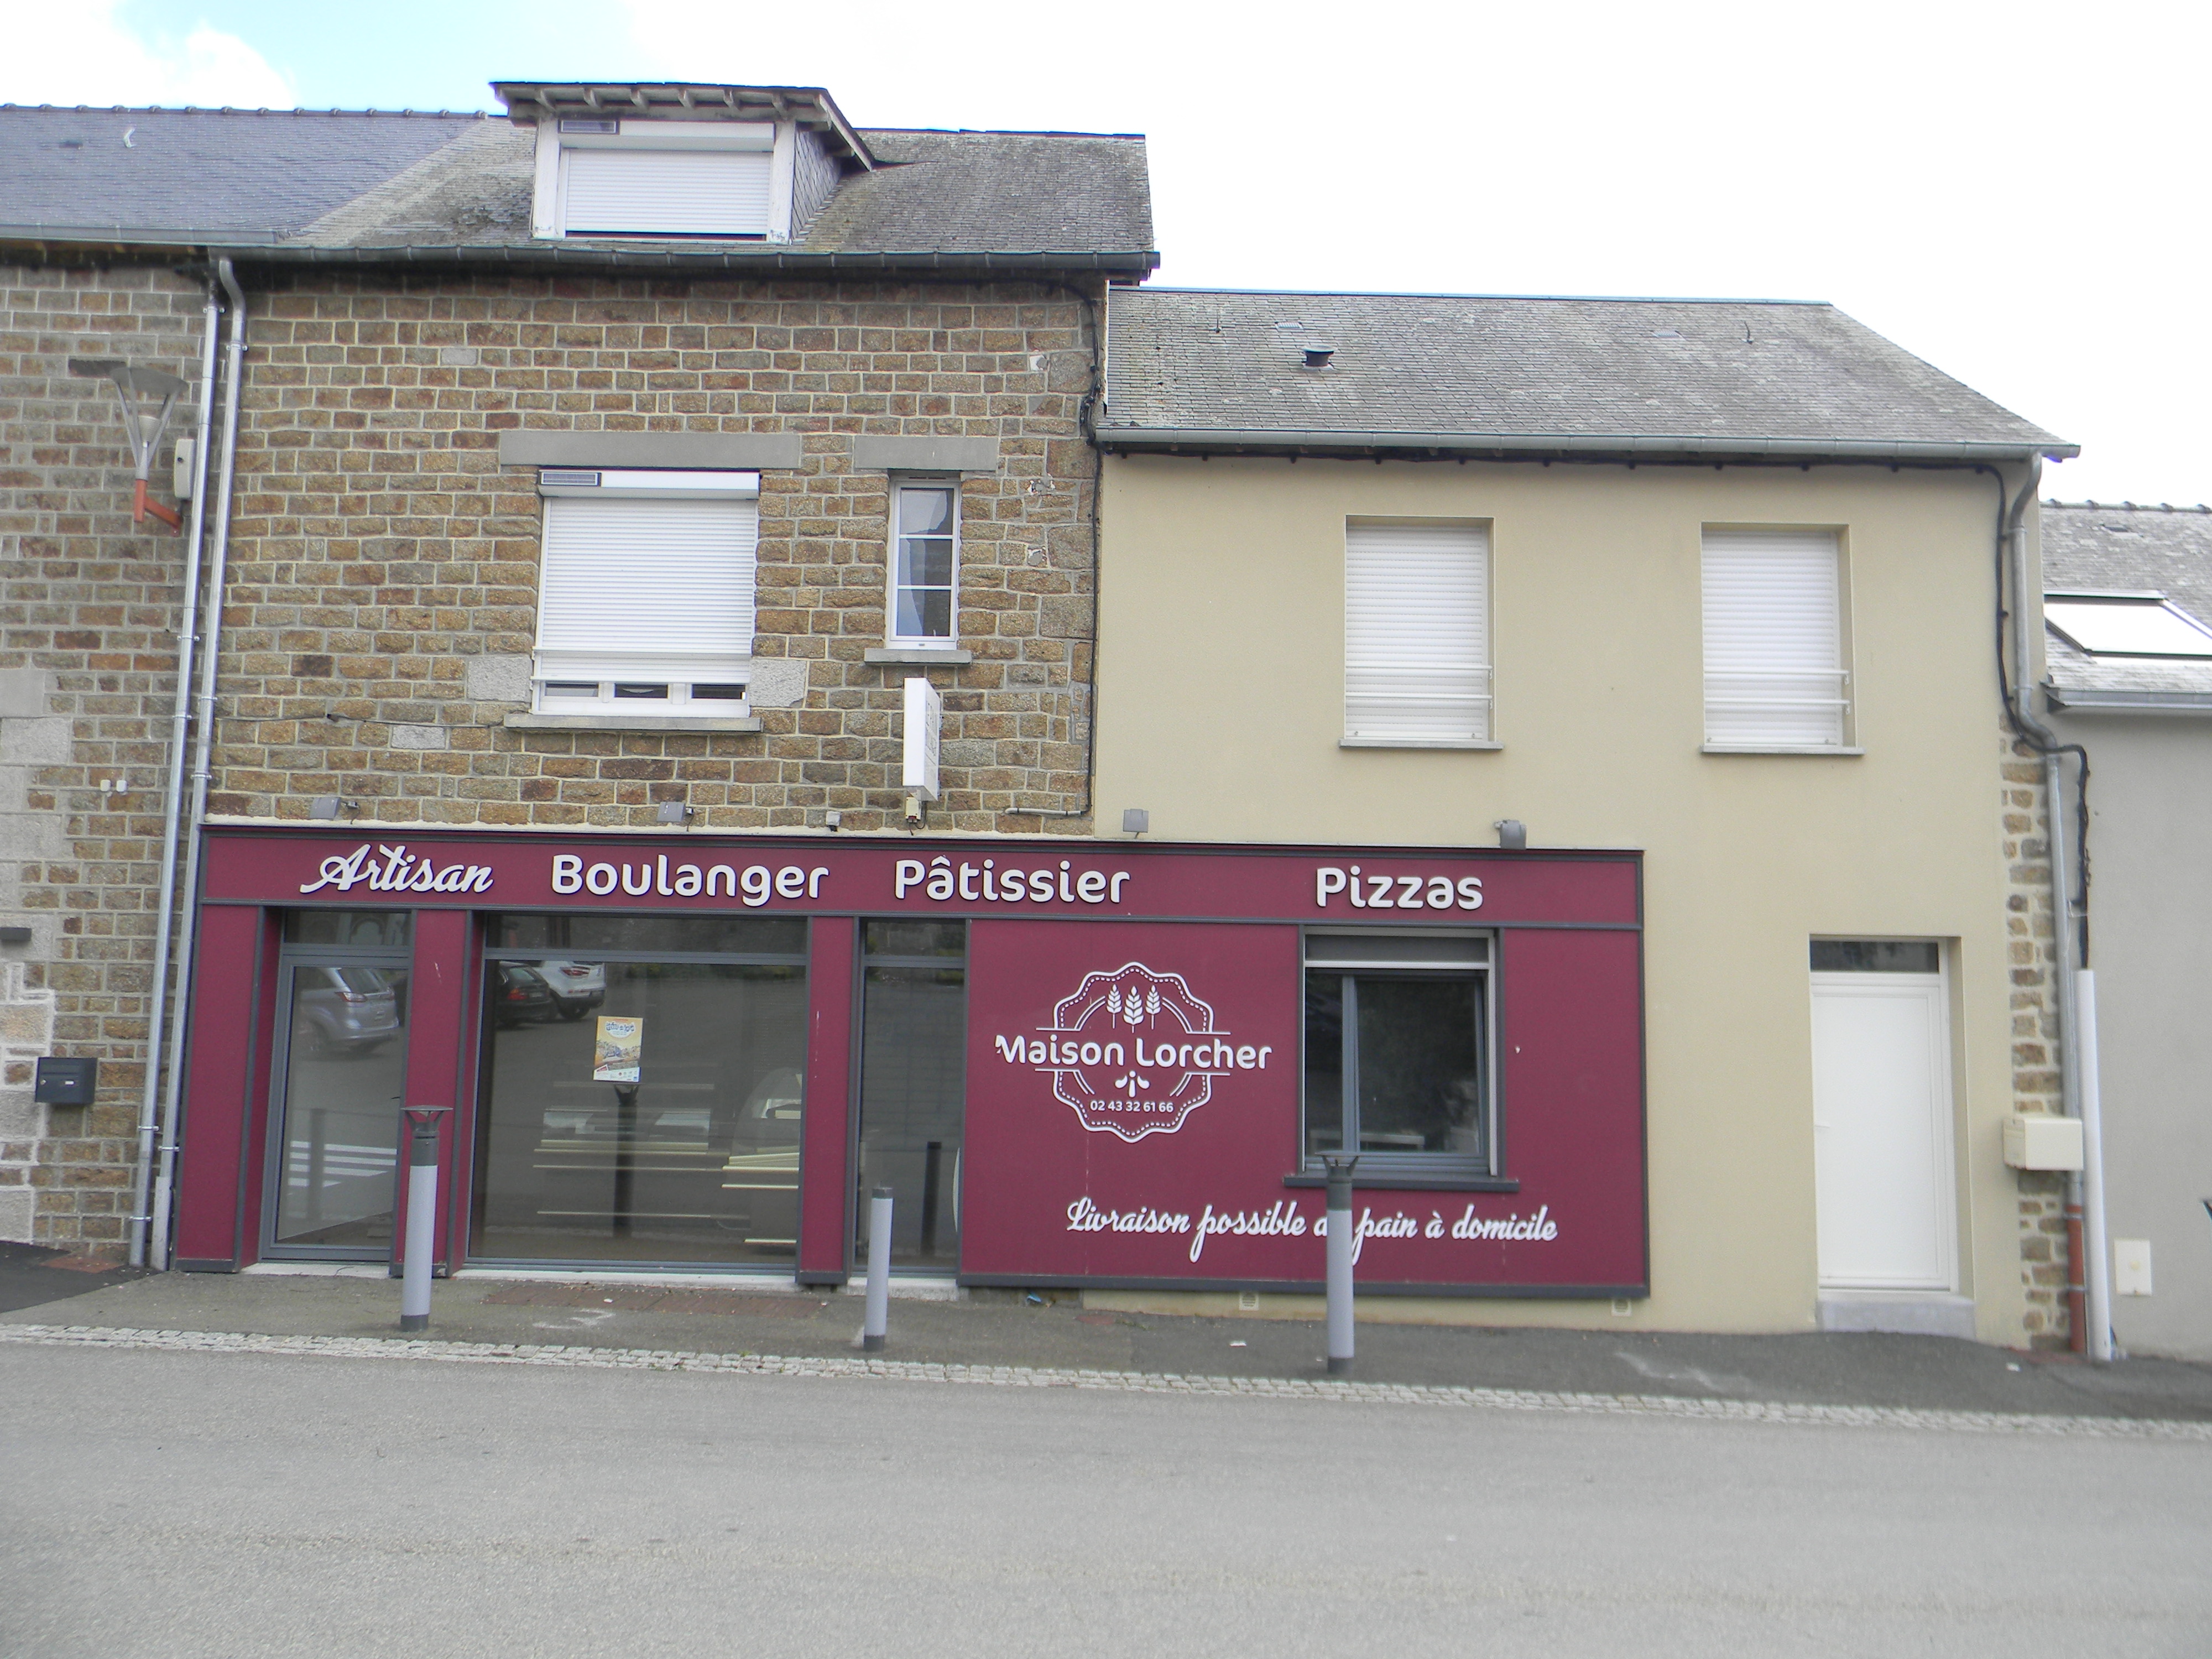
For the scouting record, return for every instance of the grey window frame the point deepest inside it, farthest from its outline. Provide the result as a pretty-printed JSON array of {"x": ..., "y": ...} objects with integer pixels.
[
  {"x": 291, "y": 956},
  {"x": 1405, "y": 1168}
]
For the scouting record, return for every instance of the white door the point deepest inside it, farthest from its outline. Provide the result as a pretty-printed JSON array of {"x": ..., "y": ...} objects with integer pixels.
[{"x": 1881, "y": 1119}]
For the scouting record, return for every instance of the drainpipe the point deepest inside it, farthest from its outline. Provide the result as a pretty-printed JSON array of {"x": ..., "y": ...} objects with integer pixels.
[
  {"x": 235, "y": 370},
  {"x": 2088, "y": 1300},
  {"x": 172, "y": 788}
]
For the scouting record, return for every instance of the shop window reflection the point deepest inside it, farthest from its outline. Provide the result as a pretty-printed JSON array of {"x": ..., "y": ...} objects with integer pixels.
[
  {"x": 345, "y": 1060},
  {"x": 913, "y": 1076},
  {"x": 692, "y": 1159},
  {"x": 362, "y": 930},
  {"x": 1396, "y": 1067}
]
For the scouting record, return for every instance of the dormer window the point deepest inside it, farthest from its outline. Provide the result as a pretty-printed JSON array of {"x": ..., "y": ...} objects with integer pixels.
[
  {"x": 711, "y": 163},
  {"x": 615, "y": 178}
]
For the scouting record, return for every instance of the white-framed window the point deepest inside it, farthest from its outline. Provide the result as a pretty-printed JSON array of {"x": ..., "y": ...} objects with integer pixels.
[
  {"x": 1776, "y": 676},
  {"x": 1398, "y": 1051},
  {"x": 1417, "y": 664},
  {"x": 614, "y": 178},
  {"x": 924, "y": 563},
  {"x": 645, "y": 592}
]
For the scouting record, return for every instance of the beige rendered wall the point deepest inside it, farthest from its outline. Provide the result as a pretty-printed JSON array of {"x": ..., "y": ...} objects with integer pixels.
[{"x": 1220, "y": 697}]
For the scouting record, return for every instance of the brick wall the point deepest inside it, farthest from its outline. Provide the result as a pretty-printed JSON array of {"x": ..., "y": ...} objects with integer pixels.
[
  {"x": 88, "y": 619},
  {"x": 2035, "y": 1046},
  {"x": 383, "y": 570},
  {"x": 384, "y": 567}
]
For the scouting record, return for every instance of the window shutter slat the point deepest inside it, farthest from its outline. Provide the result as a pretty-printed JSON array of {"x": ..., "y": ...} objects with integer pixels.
[
  {"x": 1774, "y": 639},
  {"x": 665, "y": 192},
  {"x": 628, "y": 584},
  {"x": 1417, "y": 633}
]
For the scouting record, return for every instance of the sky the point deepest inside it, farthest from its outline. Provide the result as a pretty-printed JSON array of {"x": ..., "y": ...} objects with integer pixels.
[{"x": 2013, "y": 192}]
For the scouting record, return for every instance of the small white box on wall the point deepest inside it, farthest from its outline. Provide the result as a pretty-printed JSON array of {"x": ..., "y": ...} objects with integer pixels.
[
  {"x": 2131, "y": 1267},
  {"x": 2035, "y": 1142}
]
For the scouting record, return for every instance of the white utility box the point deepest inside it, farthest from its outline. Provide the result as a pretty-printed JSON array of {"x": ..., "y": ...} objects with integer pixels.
[
  {"x": 2035, "y": 1142},
  {"x": 2131, "y": 1267}
]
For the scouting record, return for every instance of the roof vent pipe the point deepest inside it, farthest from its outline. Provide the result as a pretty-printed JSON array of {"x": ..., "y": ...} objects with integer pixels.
[{"x": 1317, "y": 357}]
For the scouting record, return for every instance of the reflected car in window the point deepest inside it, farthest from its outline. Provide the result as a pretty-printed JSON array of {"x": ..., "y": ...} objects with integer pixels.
[
  {"x": 578, "y": 986},
  {"x": 520, "y": 994},
  {"x": 344, "y": 1010}
]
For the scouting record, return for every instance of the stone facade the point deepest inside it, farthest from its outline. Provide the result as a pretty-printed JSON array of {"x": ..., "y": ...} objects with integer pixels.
[
  {"x": 381, "y": 606},
  {"x": 88, "y": 614},
  {"x": 2035, "y": 1036},
  {"x": 384, "y": 567}
]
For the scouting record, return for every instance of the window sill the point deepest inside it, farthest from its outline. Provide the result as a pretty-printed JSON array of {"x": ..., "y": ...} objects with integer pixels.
[
  {"x": 1777, "y": 749},
  {"x": 1415, "y": 1183},
  {"x": 1416, "y": 742},
  {"x": 919, "y": 656},
  {"x": 523, "y": 722}
]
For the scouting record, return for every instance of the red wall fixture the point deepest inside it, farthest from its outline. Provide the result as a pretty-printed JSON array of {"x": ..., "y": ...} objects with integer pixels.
[{"x": 218, "y": 1204}]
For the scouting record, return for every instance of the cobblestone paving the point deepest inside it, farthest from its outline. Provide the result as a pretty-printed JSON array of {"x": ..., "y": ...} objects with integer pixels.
[{"x": 1026, "y": 1377}]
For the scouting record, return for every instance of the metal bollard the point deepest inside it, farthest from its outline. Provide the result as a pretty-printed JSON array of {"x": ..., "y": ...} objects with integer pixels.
[
  {"x": 1342, "y": 1238},
  {"x": 874, "y": 1326},
  {"x": 422, "y": 1216}
]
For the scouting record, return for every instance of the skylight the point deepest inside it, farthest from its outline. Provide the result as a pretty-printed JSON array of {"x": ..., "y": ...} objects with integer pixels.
[{"x": 2127, "y": 625}]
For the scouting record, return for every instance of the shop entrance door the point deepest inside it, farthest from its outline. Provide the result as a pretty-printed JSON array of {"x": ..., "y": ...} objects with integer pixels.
[
  {"x": 913, "y": 1028},
  {"x": 1882, "y": 1116},
  {"x": 340, "y": 1072}
]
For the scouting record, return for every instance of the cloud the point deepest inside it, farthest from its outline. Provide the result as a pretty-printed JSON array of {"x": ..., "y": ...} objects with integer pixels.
[{"x": 82, "y": 53}]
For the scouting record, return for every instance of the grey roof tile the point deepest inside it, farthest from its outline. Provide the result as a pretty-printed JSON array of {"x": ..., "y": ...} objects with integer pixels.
[
  {"x": 356, "y": 181},
  {"x": 241, "y": 174},
  {"x": 1013, "y": 191},
  {"x": 2095, "y": 547},
  {"x": 1650, "y": 373}
]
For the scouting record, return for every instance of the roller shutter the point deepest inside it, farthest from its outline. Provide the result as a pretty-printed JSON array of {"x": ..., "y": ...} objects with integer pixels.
[
  {"x": 1774, "y": 672},
  {"x": 1417, "y": 633},
  {"x": 672, "y": 192},
  {"x": 646, "y": 590}
]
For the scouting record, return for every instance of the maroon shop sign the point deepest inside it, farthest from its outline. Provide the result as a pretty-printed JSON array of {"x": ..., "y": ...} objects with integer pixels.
[
  {"x": 1133, "y": 1082},
  {"x": 1133, "y": 1112},
  {"x": 1009, "y": 879}
]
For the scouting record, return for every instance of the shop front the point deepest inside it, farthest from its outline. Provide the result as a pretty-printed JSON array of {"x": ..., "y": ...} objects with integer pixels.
[{"x": 1108, "y": 1065}]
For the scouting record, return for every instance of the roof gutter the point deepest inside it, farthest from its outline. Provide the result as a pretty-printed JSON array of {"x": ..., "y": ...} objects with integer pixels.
[
  {"x": 1209, "y": 440},
  {"x": 2078, "y": 701},
  {"x": 241, "y": 247}
]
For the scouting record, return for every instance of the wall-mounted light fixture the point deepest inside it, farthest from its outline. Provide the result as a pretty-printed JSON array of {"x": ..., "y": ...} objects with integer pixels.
[
  {"x": 1136, "y": 820},
  {"x": 1512, "y": 834},
  {"x": 332, "y": 806},
  {"x": 831, "y": 820},
  {"x": 672, "y": 812},
  {"x": 149, "y": 396}
]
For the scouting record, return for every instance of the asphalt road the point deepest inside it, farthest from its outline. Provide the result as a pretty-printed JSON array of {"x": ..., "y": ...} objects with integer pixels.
[{"x": 182, "y": 1504}]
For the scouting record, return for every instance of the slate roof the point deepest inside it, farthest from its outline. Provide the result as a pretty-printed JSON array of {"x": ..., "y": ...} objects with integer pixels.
[
  {"x": 2098, "y": 548},
  {"x": 348, "y": 187},
  {"x": 1201, "y": 368},
  {"x": 199, "y": 174}
]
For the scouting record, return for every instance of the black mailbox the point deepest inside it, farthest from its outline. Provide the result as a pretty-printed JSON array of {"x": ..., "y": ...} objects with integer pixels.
[{"x": 65, "y": 1082}]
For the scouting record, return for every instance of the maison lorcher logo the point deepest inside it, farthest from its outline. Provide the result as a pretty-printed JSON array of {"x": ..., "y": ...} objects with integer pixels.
[{"x": 1134, "y": 1052}]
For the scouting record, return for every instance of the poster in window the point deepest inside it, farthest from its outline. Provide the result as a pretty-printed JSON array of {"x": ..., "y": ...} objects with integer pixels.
[{"x": 619, "y": 1054}]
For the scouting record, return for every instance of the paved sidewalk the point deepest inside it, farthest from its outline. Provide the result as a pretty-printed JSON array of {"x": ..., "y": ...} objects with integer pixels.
[{"x": 1001, "y": 1330}]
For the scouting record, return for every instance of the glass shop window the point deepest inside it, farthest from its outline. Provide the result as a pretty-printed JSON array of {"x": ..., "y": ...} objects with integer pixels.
[
  {"x": 1398, "y": 1051},
  {"x": 643, "y": 1089},
  {"x": 369, "y": 930}
]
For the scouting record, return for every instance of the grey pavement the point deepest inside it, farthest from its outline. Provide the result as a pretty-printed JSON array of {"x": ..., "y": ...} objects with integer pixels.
[
  {"x": 1003, "y": 1329},
  {"x": 190, "y": 1503}
]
